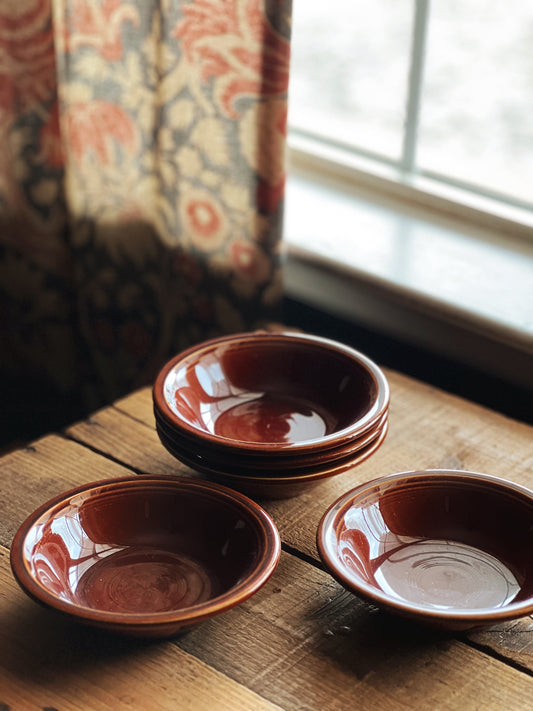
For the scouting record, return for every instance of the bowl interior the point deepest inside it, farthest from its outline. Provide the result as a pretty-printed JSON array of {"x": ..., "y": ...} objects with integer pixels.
[
  {"x": 143, "y": 547},
  {"x": 436, "y": 542},
  {"x": 277, "y": 389}
]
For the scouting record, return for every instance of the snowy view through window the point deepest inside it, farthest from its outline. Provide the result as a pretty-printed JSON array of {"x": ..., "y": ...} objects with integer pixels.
[{"x": 350, "y": 81}]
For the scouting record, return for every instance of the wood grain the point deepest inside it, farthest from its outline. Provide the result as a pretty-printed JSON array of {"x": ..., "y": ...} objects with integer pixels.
[
  {"x": 46, "y": 468},
  {"x": 302, "y": 643},
  {"x": 310, "y": 645},
  {"x": 47, "y": 662},
  {"x": 429, "y": 428}
]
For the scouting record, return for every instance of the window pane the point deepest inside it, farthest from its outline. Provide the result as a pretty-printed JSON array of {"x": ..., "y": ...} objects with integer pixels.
[
  {"x": 477, "y": 113},
  {"x": 349, "y": 71}
]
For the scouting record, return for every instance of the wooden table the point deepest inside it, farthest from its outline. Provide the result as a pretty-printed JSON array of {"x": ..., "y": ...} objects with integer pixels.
[{"x": 302, "y": 642}]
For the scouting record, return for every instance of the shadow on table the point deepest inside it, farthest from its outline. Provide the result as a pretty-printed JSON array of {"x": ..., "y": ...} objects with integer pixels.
[
  {"x": 371, "y": 640},
  {"x": 44, "y": 645}
]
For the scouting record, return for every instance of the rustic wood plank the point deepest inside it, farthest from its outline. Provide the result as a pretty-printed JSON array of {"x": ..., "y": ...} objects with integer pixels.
[
  {"x": 127, "y": 440},
  {"x": 49, "y": 662},
  {"x": 300, "y": 643},
  {"x": 512, "y": 640},
  {"x": 47, "y": 467},
  {"x": 471, "y": 437},
  {"x": 304, "y": 642},
  {"x": 138, "y": 405},
  {"x": 429, "y": 429}
]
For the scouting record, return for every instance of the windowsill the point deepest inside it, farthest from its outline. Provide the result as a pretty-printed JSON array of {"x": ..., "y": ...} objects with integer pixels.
[{"x": 456, "y": 290}]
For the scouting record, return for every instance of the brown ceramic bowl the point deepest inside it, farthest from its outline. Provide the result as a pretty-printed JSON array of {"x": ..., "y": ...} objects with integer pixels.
[
  {"x": 451, "y": 549},
  {"x": 275, "y": 393},
  {"x": 265, "y": 465},
  {"x": 283, "y": 485},
  {"x": 145, "y": 556}
]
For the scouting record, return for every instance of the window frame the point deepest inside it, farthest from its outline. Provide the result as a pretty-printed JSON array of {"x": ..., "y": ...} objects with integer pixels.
[
  {"x": 403, "y": 180},
  {"x": 332, "y": 282}
]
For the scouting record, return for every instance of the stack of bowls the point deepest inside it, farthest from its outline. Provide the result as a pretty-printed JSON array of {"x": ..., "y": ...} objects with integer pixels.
[{"x": 269, "y": 413}]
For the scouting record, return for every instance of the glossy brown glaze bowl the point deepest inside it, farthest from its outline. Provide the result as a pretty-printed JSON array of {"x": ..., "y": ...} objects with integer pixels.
[
  {"x": 281, "y": 485},
  {"x": 266, "y": 464},
  {"x": 275, "y": 393},
  {"x": 145, "y": 556},
  {"x": 451, "y": 549}
]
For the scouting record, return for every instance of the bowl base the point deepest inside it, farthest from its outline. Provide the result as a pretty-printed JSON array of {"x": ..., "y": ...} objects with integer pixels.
[
  {"x": 144, "y": 580},
  {"x": 273, "y": 418},
  {"x": 446, "y": 575}
]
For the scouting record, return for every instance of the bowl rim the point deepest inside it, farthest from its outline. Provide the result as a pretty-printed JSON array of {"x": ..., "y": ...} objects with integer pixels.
[
  {"x": 183, "y": 617},
  {"x": 312, "y": 474},
  {"x": 267, "y": 465},
  {"x": 464, "y": 617},
  {"x": 286, "y": 457},
  {"x": 366, "y": 422}
]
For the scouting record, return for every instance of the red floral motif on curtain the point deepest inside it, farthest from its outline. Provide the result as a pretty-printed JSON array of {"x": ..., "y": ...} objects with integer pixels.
[
  {"x": 141, "y": 201},
  {"x": 28, "y": 83},
  {"x": 99, "y": 25},
  {"x": 95, "y": 126},
  {"x": 234, "y": 42},
  {"x": 27, "y": 59}
]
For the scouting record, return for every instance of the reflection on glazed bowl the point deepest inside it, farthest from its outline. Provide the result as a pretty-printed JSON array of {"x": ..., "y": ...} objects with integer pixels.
[
  {"x": 447, "y": 548},
  {"x": 145, "y": 556},
  {"x": 281, "y": 393}
]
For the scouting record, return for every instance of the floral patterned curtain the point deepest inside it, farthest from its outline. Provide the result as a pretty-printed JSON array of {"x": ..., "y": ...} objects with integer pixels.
[{"x": 141, "y": 187}]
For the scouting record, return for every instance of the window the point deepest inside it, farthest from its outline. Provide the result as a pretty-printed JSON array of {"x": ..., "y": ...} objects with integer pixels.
[
  {"x": 435, "y": 94},
  {"x": 410, "y": 195}
]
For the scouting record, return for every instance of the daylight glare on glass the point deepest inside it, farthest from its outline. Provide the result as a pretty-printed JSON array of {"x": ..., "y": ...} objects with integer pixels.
[{"x": 350, "y": 79}]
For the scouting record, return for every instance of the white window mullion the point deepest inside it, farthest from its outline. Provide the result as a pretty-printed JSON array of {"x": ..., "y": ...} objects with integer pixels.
[{"x": 414, "y": 94}]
